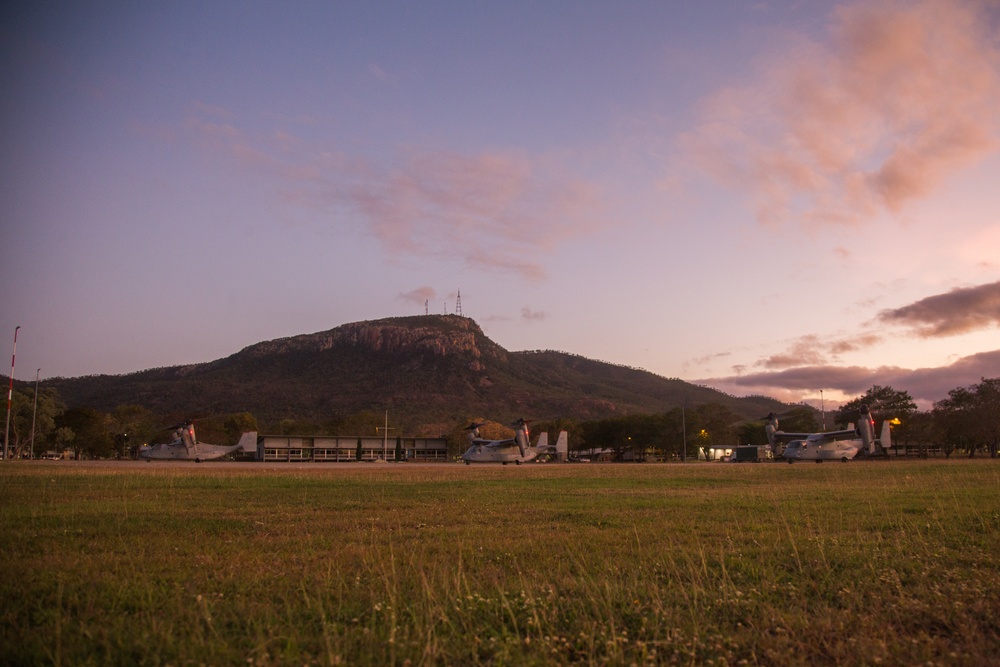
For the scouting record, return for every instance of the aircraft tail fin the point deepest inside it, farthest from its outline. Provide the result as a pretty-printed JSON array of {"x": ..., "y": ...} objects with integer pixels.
[
  {"x": 248, "y": 442},
  {"x": 886, "y": 439},
  {"x": 542, "y": 444},
  {"x": 562, "y": 446}
]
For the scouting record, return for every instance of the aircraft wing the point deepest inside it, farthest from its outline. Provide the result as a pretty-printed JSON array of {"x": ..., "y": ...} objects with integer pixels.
[
  {"x": 828, "y": 436},
  {"x": 783, "y": 437},
  {"x": 501, "y": 443}
]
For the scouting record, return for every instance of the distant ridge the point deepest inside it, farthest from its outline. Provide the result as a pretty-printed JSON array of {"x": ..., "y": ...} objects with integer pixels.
[{"x": 429, "y": 369}]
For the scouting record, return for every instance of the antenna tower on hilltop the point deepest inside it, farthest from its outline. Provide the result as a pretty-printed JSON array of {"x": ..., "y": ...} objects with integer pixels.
[
  {"x": 458, "y": 304},
  {"x": 426, "y": 311}
]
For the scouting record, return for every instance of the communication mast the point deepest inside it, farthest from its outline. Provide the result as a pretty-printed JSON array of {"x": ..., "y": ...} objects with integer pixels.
[
  {"x": 426, "y": 310},
  {"x": 458, "y": 304}
]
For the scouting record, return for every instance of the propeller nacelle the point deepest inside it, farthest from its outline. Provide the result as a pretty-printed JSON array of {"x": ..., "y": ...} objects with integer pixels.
[{"x": 521, "y": 434}]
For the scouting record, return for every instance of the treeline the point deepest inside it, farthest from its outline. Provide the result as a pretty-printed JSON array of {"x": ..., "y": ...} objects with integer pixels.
[
  {"x": 43, "y": 426},
  {"x": 47, "y": 427},
  {"x": 967, "y": 421}
]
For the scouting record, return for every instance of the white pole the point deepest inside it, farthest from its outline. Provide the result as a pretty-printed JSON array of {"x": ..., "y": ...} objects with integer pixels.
[
  {"x": 822, "y": 406},
  {"x": 10, "y": 395}
]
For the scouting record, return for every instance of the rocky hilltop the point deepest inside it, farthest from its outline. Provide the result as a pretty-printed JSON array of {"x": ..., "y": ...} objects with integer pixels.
[
  {"x": 435, "y": 369},
  {"x": 440, "y": 336}
]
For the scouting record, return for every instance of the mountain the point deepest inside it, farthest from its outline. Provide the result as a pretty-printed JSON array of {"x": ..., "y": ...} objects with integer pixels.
[{"x": 434, "y": 369}]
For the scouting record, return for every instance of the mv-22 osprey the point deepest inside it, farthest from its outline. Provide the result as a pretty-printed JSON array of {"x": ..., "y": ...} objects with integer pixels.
[
  {"x": 829, "y": 445},
  {"x": 517, "y": 449},
  {"x": 185, "y": 447}
]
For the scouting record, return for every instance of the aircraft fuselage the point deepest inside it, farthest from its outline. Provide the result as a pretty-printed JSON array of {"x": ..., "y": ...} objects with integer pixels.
[
  {"x": 179, "y": 452},
  {"x": 484, "y": 453},
  {"x": 822, "y": 450}
]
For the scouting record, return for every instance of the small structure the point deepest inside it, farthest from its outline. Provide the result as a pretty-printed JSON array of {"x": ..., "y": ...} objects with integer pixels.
[
  {"x": 318, "y": 448},
  {"x": 751, "y": 454},
  {"x": 715, "y": 453}
]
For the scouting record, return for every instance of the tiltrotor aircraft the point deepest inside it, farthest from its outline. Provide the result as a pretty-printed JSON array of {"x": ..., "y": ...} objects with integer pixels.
[
  {"x": 185, "y": 447},
  {"x": 829, "y": 445},
  {"x": 517, "y": 449}
]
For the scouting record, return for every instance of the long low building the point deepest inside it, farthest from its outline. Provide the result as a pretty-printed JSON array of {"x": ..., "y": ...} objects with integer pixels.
[{"x": 345, "y": 448}]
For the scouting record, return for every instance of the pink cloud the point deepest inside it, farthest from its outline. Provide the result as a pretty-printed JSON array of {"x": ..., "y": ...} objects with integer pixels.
[
  {"x": 899, "y": 97},
  {"x": 496, "y": 211},
  {"x": 419, "y": 295},
  {"x": 529, "y": 315}
]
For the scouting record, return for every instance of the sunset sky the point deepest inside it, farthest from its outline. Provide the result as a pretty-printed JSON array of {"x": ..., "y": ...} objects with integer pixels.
[{"x": 774, "y": 197}]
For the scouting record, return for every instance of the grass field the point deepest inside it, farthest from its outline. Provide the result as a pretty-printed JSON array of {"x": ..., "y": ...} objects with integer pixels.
[{"x": 380, "y": 564}]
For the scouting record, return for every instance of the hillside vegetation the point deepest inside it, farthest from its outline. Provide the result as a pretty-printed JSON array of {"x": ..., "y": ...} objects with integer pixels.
[{"x": 435, "y": 369}]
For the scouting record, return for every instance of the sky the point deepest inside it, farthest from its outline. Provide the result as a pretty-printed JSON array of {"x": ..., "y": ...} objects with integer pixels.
[{"x": 795, "y": 199}]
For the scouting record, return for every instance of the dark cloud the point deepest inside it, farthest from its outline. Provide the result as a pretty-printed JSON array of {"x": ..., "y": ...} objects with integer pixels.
[
  {"x": 811, "y": 350},
  {"x": 924, "y": 384},
  {"x": 956, "y": 312},
  {"x": 859, "y": 342},
  {"x": 805, "y": 350}
]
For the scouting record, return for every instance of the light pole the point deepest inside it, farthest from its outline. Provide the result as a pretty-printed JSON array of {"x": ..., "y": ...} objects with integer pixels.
[
  {"x": 34, "y": 411},
  {"x": 822, "y": 407},
  {"x": 385, "y": 436},
  {"x": 10, "y": 395},
  {"x": 684, "y": 437}
]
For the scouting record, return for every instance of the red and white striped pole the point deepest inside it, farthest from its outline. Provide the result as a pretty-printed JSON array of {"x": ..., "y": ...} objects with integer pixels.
[{"x": 10, "y": 395}]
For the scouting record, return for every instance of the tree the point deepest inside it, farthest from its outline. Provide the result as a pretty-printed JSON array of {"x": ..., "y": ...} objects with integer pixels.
[
  {"x": 399, "y": 448},
  {"x": 91, "y": 435},
  {"x": 953, "y": 419},
  {"x": 131, "y": 426},
  {"x": 800, "y": 419},
  {"x": 886, "y": 402},
  {"x": 752, "y": 433},
  {"x": 238, "y": 424},
  {"x": 25, "y": 409},
  {"x": 988, "y": 414},
  {"x": 917, "y": 430},
  {"x": 610, "y": 434},
  {"x": 717, "y": 421},
  {"x": 970, "y": 416},
  {"x": 359, "y": 452}
]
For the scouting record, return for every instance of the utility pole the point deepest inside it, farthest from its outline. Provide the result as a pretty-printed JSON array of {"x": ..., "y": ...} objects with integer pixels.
[
  {"x": 684, "y": 436},
  {"x": 385, "y": 436},
  {"x": 34, "y": 411},
  {"x": 10, "y": 395},
  {"x": 822, "y": 406}
]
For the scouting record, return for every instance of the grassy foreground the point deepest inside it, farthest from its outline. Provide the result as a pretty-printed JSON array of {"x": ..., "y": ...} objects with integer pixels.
[{"x": 368, "y": 564}]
